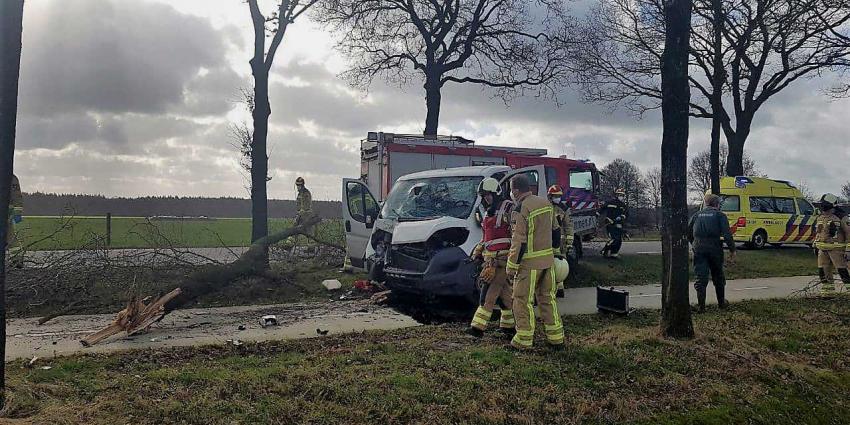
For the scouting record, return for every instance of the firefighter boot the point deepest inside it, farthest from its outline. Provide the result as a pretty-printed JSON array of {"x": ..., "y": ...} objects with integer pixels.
[
  {"x": 701, "y": 299},
  {"x": 845, "y": 278},
  {"x": 826, "y": 285},
  {"x": 721, "y": 296}
]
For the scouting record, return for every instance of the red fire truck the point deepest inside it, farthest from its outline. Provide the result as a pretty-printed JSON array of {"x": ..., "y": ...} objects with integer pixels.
[{"x": 384, "y": 157}]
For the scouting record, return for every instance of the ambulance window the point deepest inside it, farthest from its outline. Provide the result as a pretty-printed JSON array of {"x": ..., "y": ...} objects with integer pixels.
[
  {"x": 784, "y": 205},
  {"x": 581, "y": 179},
  {"x": 761, "y": 204},
  {"x": 805, "y": 207},
  {"x": 730, "y": 203}
]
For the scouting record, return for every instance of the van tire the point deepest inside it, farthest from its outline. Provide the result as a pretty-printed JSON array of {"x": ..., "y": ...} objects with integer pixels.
[{"x": 759, "y": 239}]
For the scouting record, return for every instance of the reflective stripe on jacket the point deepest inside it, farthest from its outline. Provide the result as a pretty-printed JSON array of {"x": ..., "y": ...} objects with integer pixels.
[
  {"x": 531, "y": 241},
  {"x": 832, "y": 233}
]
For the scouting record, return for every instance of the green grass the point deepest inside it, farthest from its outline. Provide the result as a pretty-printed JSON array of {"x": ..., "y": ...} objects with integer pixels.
[
  {"x": 646, "y": 269},
  {"x": 761, "y": 362},
  {"x": 51, "y": 233}
]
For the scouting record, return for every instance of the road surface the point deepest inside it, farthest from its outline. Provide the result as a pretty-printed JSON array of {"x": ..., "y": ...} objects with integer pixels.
[
  {"x": 218, "y": 325},
  {"x": 649, "y": 248}
]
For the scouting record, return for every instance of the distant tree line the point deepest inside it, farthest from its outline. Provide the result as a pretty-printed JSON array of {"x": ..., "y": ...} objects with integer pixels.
[{"x": 50, "y": 204}]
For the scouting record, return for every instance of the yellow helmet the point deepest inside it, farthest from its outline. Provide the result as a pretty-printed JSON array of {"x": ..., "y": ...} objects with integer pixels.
[{"x": 562, "y": 269}]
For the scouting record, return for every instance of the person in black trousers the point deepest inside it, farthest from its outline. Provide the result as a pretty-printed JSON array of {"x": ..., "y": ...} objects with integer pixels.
[{"x": 707, "y": 230}]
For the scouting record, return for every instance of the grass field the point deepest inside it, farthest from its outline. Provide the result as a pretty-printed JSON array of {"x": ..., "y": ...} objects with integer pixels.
[
  {"x": 760, "y": 362},
  {"x": 51, "y": 233},
  {"x": 646, "y": 269}
]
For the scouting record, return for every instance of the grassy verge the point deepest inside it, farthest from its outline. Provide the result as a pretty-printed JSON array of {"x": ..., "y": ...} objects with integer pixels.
[
  {"x": 763, "y": 362},
  {"x": 646, "y": 269},
  {"x": 51, "y": 233}
]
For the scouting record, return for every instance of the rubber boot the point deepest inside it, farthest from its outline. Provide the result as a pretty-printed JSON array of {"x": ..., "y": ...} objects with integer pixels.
[
  {"x": 701, "y": 300},
  {"x": 721, "y": 296},
  {"x": 826, "y": 285},
  {"x": 845, "y": 278},
  {"x": 475, "y": 332}
]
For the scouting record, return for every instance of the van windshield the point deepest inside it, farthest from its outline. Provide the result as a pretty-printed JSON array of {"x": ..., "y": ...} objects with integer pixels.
[{"x": 429, "y": 198}]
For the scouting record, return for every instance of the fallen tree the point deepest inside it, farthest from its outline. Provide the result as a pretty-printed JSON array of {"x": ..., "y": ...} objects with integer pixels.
[{"x": 141, "y": 314}]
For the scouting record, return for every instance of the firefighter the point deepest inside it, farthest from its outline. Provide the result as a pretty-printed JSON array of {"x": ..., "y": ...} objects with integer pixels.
[
  {"x": 565, "y": 228},
  {"x": 832, "y": 241},
  {"x": 304, "y": 202},
  {"x": 493, "y": 252},
  {"x": 530, "y": 265},
  {"x": 614, "y": 215},
  {"x": 705, "y": 230},
  {"x": 13, "y": 233}
]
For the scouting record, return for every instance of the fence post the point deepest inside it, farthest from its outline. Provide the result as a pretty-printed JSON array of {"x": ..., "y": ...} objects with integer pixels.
[{"x": 108, "y": 229}]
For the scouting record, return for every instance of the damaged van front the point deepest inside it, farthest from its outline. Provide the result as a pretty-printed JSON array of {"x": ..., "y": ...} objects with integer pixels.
[{"x": 420, "y": 239}]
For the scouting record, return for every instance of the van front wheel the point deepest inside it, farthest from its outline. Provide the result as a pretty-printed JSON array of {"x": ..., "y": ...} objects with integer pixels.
[{"x": 759, "y": 240}]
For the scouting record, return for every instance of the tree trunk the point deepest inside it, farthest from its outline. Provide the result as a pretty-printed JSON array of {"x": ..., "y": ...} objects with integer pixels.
[
  {"x": 715, "y": 156},
  {"x": 675, "y": 309},
  {"x": 433, "y": 97},
  {"x": 259, "y": 155},
  {"x": 735, "y": 157},
  {"x": 716, "y": 95},
  {"x": 11, "y": 27}
]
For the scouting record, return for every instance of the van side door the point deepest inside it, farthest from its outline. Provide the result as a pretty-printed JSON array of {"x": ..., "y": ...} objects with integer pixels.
[
  {"x": 359, "y": 212},
  {"x": 536, "y": 176}
]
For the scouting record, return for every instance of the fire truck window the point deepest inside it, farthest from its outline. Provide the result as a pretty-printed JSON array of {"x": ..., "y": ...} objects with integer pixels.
[
  {"x": 354, "y": 195},
  {"x": 581, "y": 179},
  {"x": 551, "y": 176}
]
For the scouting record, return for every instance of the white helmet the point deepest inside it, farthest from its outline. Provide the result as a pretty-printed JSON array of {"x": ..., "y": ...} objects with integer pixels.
[
  {"x": 562, "y": 269},
  {"x": 828, "y": 201},
  {"x": 490, "y": 185}
]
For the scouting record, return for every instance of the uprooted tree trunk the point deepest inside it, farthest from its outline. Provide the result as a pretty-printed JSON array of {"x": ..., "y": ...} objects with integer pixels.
[{"x": 140, "y": 314}]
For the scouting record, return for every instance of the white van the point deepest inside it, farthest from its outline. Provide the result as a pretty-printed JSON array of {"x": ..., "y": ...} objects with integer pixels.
[{"x": 419, "y": 240}]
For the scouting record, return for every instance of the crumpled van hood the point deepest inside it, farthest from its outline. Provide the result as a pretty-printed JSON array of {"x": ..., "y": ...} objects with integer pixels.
[{"x": 420, "y": 231}]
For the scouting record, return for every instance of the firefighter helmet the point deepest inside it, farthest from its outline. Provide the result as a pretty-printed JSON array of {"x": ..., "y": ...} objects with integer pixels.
[
  {"x": 562, "y": 269},
  {"x": 556, "y": 191},
  {"x": 490, "y": 185},
  {"x": 299, "y": 181},
  {"x": 828, "y": 201}
]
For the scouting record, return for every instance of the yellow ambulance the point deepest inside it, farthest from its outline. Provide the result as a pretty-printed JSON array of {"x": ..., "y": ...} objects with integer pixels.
[{"x": 763, "y": 211}]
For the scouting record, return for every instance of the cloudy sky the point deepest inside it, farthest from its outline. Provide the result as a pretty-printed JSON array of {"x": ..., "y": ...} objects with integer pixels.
[{"x": 130, "y": 98}]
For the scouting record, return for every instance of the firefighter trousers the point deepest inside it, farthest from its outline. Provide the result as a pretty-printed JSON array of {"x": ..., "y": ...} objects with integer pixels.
[
  {"x": 497, "y": 291},
  {"x": 827, "y": 259},
  {"x": 530, "y": 285},
  {"x": 616, "y": 242}
]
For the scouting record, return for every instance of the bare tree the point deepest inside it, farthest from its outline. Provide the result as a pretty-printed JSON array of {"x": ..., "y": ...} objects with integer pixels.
[
  {"x": 242, "y": 138},
  {"x": 622, "y": 174},
  {"x": 275, "y": 26},
  {"x": 652, "y": 188},
  {"x": 700, "y": 168},
  {"x": 496, "y": 43},
  {"x": 767, "y": 45},
  {"x": 808, "y": 193},
  {"x": 11, "y": 28},
  {"x": 845, "y": 191},
  {"x": 675, "y": 306}
]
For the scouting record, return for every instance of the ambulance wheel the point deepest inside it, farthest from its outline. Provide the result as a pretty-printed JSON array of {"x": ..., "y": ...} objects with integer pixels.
[{"x": 759, "y": 239}]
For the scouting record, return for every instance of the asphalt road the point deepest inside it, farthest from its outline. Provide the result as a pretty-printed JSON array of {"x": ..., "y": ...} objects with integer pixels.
[
  {"x": 61, "y": 336},
  {"x": 650, "y": 248}
]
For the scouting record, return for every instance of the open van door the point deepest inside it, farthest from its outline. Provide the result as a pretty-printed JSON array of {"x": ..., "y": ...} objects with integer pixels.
[
  {"x": 359, "y": 212},
  {"x": 536, "y": 176}
]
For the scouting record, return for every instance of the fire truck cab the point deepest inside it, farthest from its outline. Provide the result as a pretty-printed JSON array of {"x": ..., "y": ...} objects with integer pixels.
[{"x": 411, "y": 219}]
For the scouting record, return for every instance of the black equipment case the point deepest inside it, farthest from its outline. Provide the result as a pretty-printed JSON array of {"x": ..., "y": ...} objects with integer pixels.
[{"x": 612, "y": 300}]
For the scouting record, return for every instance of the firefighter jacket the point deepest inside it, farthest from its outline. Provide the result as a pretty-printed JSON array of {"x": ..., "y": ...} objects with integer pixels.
[
  {"x": 832, "y": 233},
  {"x": 565, "y": 225},
  {"x": 16, "y": 199},
  {"x": 304, "y": 202},
  {"x": 614, "y": 211},
  {"x": 707, "y": 229},
  {"x": 497, "y": 230},
  {"x": 531, "y": 241}
]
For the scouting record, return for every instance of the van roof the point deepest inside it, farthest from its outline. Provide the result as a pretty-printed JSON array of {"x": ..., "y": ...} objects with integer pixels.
[
  {"x": 755, "y": 185},
  {"x": 481, "y": 170}
]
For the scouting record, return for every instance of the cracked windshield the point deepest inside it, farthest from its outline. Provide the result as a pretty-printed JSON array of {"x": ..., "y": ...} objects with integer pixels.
[{"x": 429, "y": 198}]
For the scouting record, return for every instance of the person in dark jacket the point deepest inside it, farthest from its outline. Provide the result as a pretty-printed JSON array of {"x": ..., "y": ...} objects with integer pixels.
[
  {"x": 707, "y": 230},
  {"x": 614, "y": 214}
]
